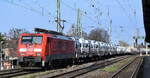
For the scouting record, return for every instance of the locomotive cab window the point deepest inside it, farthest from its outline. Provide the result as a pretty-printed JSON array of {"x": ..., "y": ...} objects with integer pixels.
[
  {"x": 37, "y": 40},
  {"x": 32, "y": 39}
]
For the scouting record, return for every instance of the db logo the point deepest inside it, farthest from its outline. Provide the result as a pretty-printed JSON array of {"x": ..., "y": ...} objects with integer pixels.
[{"x": 30, "y": 48}]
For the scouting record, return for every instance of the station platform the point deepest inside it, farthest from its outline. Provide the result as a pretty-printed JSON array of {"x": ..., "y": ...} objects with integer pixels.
[{"x": 146, "y": 67}]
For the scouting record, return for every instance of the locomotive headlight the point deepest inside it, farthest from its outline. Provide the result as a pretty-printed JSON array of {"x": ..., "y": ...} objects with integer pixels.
[
  {"x": 23, "y": 50},
  {"x": 38, "y": 54},
  {"x": 22, "y": 54},
  {"x": 37, "y": 50}
]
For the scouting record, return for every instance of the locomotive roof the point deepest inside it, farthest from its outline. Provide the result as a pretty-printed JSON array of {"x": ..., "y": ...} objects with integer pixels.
[
  {"x": 53, "y": 35},
  {"x": 62, "y": 37},
  {"x": 39, "y": 30}
]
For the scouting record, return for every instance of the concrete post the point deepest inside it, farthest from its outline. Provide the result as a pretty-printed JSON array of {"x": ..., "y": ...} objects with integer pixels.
[
  {"x": 1, "y": 60},
  {"x": 12, "y": 65},
  {"x": 140, "y": 53},
  {"x": 146, "y": 49}
]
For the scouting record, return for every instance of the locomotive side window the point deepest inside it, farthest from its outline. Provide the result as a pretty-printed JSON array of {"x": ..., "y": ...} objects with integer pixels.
[{"x": 32, "y": 39}]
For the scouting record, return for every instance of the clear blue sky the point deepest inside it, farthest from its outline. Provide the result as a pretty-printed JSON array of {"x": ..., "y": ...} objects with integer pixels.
[{"x": 28, "y": 14}]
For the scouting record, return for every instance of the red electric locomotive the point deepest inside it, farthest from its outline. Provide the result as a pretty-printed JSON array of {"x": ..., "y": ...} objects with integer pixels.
[{"x": 44, "y": 48}]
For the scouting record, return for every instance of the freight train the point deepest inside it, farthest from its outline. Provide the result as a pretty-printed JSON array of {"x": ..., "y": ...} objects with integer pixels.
[{"x": 45, "y": 48}]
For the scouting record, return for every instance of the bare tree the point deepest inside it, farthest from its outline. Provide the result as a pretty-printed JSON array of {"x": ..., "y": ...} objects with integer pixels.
[
  {"x": 14, "y": 33},
  {"x": 12, "y": 39},
  {"x": 123, "y": 43},
  {"x": 2, "y": 40},
  {"x": 73, "y": 32},
  {"x": 99, "y": 35}
]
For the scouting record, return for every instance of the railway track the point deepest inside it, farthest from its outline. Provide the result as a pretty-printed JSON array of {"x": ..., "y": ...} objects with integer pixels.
[
  {"x": 16, "y": 72},
  {"x": 12, "y": 73},
  {"x": 79, "y": 72},
  {"x": 130, "y": 70}
]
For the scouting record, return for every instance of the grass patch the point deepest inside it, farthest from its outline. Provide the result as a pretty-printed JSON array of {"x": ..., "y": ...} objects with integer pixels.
[
  {"x": 111, "y": 68},
  {"x": 117, "y": 66}
]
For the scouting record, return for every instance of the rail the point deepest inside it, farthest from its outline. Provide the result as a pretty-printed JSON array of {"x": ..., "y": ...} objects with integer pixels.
[
  {"x": 134, "y": 72},
  {"x": 93, "y": 67}
]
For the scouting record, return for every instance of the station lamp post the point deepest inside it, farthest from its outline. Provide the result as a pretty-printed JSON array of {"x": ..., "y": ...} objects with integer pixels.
[
  {"x": 146, "y": 48},
  {"x": 136, "y": 38}
]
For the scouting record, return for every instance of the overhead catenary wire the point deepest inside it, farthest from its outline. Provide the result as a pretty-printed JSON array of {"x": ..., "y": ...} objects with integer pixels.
[
  {"x": 83, "y": 13},
  {"x": 124, "y": 10},
  {"x": 35, "y": 10},
  {"x": 22, "y": 6},
  {"x": 30, "y": 8},
  {"x": 126, "y": 13},
  {"x": 133, "y": 10},
  {"x": 135, "y": 17}
]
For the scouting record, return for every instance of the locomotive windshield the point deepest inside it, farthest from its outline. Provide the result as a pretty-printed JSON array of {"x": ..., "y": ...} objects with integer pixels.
[{"x": 32, "y": 39}]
